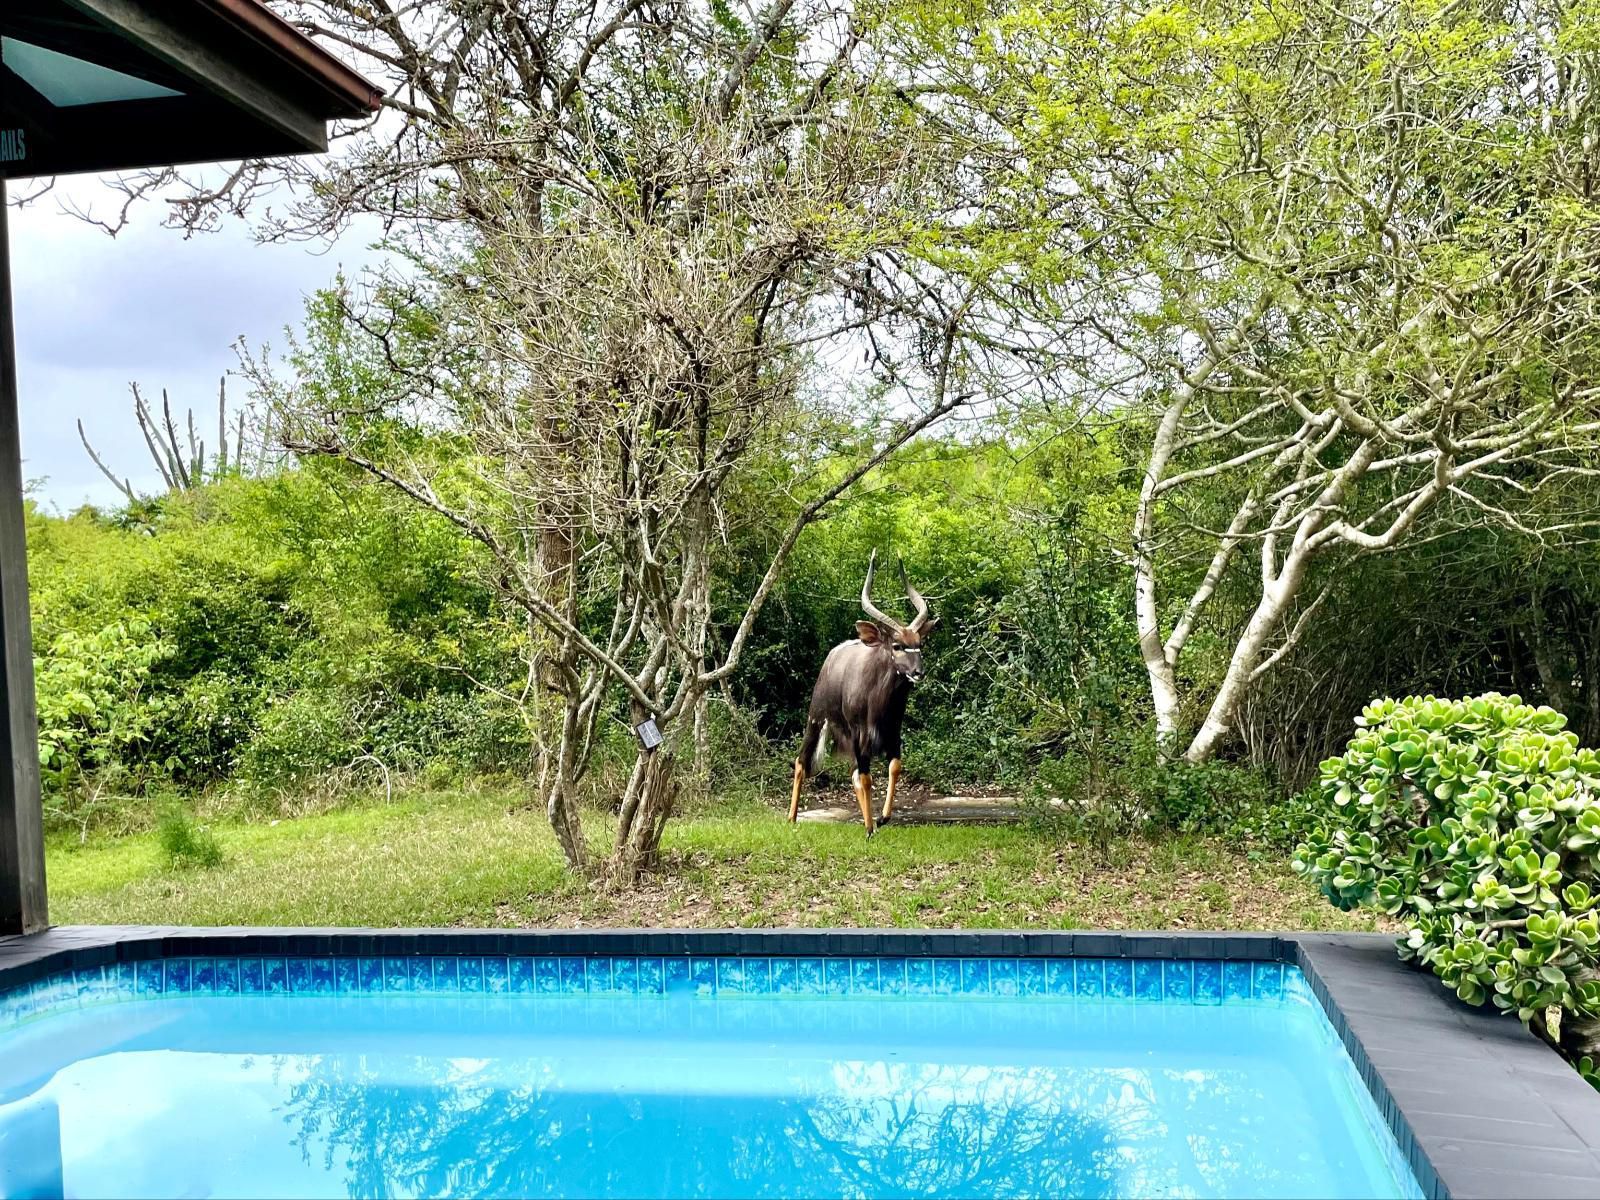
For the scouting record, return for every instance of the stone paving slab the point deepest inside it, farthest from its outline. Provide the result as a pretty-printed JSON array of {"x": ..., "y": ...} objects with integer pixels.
[{"x": 1476, "y": 1098}]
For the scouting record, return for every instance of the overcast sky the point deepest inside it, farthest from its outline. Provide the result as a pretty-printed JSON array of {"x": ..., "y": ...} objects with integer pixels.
[{"x": 93, "y": 313}]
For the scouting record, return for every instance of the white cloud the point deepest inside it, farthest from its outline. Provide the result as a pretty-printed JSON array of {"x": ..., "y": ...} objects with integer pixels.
[{"x": 93, "y": 313}]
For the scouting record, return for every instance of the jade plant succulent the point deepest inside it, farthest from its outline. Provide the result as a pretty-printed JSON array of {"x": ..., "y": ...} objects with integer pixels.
[{"x": 1475, "y": 823}]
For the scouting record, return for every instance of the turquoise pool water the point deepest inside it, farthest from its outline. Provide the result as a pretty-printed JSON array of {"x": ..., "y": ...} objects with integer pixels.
[{"x": 695, "y": 1091}]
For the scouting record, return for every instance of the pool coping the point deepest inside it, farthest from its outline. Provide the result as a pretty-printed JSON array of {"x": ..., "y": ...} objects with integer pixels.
[{"x": 1479, "y": 1106}]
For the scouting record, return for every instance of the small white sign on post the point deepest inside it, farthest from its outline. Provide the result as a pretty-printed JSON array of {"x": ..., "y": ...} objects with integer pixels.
[{"x": 647, "y": 733}]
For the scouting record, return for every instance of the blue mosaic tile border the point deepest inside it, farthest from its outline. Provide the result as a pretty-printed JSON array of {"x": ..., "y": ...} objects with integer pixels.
[{"x": 1140, "y": 981}]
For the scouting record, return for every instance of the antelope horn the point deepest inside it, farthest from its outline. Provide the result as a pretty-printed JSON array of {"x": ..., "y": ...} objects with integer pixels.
[
  {"x": 867, "y": 605},
  {"x": 913, "y": 595}
]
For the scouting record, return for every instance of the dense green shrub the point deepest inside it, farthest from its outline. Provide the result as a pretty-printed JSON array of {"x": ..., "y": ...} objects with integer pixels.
[
  {"x": 474, "y": 731},
  {"x": 261, "y": 631},
  {"x": 299, "y": 736},
  {"x": 1216, "y": 797},
  {"x": 1092, "y": 801},
  {"x": 1129, "y": 788},
  {"x": 1279, "y": 821},
  {"x": 1006, "y": 537},
  {"x": 1475, "y": 823},
  {"x": 95, "y": 703}
]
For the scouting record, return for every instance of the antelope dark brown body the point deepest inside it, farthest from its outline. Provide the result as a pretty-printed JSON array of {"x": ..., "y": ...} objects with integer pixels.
[{"x": 859, "y": 702}]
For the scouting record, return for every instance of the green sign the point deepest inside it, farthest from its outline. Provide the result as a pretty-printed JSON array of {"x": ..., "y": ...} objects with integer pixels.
[{"x": 13, "y": 145}]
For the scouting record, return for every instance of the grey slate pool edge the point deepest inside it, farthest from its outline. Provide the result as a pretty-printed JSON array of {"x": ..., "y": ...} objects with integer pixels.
[{"x": 1479, "y": 1106}]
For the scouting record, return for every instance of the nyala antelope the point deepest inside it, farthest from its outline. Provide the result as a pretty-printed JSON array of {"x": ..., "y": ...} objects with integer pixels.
[{"x": 859, "y": 701}]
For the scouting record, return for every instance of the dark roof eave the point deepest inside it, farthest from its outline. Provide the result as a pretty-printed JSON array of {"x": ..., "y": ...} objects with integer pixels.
[{"x": 351, "y": 94}]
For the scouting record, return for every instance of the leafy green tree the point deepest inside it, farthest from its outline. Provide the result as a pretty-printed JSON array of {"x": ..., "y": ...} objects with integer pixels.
[
  {"x": 619, "y": 302},
  {"x": 1334, "y": 267}
]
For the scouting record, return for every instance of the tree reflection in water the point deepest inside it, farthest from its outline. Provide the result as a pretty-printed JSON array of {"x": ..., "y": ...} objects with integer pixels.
[
  {"x": 905, "y": 1130},
  {"x": 753, "y": 1112}
]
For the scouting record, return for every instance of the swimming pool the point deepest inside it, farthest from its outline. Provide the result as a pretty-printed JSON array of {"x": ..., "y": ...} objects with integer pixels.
[{"x": 643, "y": 1076}]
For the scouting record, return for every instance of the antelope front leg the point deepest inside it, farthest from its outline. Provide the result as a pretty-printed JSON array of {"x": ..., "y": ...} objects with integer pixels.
[
  {"x": 894, "y": 782},
  {"x": 794, "y": 799},
  {"x": 863, "y": 785}
]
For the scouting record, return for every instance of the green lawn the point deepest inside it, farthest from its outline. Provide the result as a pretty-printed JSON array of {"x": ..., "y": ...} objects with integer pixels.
[{"x": 476, "y": 860}]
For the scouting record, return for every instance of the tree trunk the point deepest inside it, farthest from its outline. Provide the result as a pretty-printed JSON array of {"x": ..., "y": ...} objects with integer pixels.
[
  {"x": 1163, "y": 681},
  {"x": 702, "y": 741},
  {"x": 1247, "y": 654},
  {"x": 698, "y": 619},
  {"x": 1146, "y": 603},
  {"x": 646, "y": 806},
  {"x": 1160, "y": 655},
  {"x": 1580, "y": 1036},
  {"x": 561, "y": 803},
  {"x": 1551, "y": 659},
  {"x": 554, "y": 578}
]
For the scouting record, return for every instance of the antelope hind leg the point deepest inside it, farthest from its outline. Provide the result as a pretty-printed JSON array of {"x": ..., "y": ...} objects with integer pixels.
[
  {"x": 863, "y": 785},
  {"x": 794, "y": 798},
  {"x": 894, "y": 782}
]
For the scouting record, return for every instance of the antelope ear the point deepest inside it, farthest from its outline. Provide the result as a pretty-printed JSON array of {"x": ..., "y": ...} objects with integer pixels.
[
  {"x": 867, "y": 631},
  {"x": 928, "y": 626}
]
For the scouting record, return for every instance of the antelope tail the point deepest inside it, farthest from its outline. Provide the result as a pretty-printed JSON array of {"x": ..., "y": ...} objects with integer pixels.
[{"x": 819, "y": 756}]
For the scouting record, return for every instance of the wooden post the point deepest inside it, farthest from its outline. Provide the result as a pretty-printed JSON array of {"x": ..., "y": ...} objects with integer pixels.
[{"x": 22, "y": 892}]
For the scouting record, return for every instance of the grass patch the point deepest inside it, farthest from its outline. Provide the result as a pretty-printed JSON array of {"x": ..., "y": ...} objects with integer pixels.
[
  {"x": 185, "y": 844},
  {"x": 445, "y": 858}
]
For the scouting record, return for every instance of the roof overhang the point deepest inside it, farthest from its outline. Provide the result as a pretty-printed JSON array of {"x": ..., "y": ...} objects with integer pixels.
[{"x": 107, "y": 85}]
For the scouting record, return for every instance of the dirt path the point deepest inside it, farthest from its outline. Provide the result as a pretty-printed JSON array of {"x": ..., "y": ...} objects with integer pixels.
[{"x": 922, "y": 807}]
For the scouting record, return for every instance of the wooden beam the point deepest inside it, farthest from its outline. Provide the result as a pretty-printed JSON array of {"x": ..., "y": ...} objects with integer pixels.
[
  {"x": 219, "y": 70},
  {"x": 127, "y": 134},
  {"x": 22, "y": 889}
]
